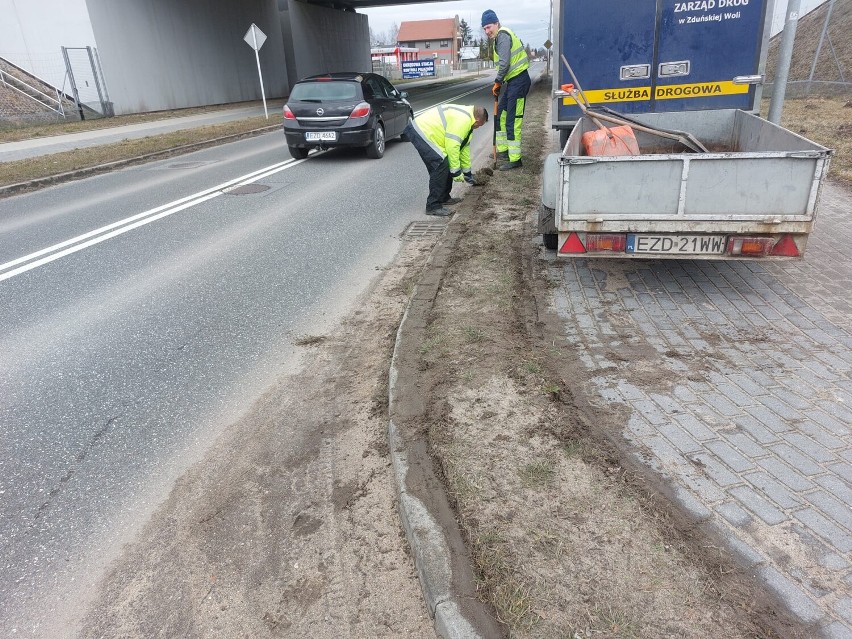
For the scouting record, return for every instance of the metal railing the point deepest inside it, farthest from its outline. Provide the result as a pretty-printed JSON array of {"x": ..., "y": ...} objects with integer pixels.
[{"x": 27, "y": 90}]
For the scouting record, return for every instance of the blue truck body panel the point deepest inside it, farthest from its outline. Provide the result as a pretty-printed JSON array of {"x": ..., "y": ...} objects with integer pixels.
[{"x": 646, "y": 56}]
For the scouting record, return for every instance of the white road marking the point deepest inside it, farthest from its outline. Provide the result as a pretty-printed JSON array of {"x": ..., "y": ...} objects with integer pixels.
[
  {"x": 51, "y": 253},
  {"x": 453, "y": 99},
  {"x": 103, "y": 233}
]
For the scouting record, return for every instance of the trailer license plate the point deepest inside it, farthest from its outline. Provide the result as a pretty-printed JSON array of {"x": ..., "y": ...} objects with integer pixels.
[
  {"x": 321, "y": 136},
  {"x": 680, "y": 244}
]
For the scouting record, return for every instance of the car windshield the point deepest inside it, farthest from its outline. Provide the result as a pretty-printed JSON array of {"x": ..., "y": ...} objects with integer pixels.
[{"x": 324, "y": 90}]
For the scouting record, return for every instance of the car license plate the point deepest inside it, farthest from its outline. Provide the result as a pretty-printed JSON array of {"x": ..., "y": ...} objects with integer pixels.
[
  {"x": 321, "y": 136},
  {"x": 680, "y": 244}
]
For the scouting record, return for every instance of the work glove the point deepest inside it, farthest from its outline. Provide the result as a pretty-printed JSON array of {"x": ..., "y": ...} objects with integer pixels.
[
  {"x": 457, "y": 176},
  {"x": 468, "y": 177},
  {"x": 495, "y": 90}
]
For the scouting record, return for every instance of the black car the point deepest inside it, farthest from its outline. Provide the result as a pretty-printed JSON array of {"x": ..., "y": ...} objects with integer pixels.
[{"x": 344, "y": 109}]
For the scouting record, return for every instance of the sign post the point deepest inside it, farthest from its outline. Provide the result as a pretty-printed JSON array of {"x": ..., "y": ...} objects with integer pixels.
[{"x": 255, "y": 38}]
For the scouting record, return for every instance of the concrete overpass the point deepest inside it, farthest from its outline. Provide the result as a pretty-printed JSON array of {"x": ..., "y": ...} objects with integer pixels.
[{"x": 168, "y": 54}]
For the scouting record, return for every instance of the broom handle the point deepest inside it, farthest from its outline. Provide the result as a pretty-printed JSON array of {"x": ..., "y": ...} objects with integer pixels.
[
  {"x": 574, "y": 78},
  {"x": 494, "y": 134},
  {"x": 584, "y": 105},
  {"x": 583, "y": 108}
]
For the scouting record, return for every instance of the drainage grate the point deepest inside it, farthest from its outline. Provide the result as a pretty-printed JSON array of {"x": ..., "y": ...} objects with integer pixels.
[
  {"x": 246, "y": 189},
  {"x": 425, "y": 229}
]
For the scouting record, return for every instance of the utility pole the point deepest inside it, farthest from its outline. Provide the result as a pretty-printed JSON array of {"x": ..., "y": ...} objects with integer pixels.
[{"x": 785, "y": 55}]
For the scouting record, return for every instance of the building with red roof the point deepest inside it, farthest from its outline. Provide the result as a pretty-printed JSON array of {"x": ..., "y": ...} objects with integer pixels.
[{"x": 438, "y": 39}]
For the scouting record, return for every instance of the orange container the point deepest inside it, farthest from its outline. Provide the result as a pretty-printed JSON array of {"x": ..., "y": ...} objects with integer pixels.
[{"x": 598, "y": 143}]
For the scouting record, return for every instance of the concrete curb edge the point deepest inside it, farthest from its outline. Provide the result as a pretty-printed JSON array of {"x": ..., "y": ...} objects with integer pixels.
[{"x": 427, "y": 539}]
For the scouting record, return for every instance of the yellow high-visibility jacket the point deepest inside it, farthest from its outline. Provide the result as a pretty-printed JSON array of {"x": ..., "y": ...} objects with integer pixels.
[{"x": 447, "y": 128}]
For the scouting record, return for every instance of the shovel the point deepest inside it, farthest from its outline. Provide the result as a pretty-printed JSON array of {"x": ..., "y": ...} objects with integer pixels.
[{"x": 494, "y": 135}]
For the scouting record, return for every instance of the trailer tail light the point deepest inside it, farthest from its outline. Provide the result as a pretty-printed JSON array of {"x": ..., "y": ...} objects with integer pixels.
[
  {"x": 288, "y": 114},
  {"x": 750, "y": 246},
  {"x": 785, "y": 247},
  {"x": 612, "y": 242},
  {"x": 573, "y": 245},
  {"x": 360, "y": 111}
]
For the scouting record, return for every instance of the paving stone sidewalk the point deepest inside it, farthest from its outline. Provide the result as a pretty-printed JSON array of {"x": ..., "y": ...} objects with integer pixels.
[{"x": 737, "y": 381}]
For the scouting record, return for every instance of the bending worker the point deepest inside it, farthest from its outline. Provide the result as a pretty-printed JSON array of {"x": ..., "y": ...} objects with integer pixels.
[
  {"x": 441, "y": 136},
  {"x": 513, "y": 62}
]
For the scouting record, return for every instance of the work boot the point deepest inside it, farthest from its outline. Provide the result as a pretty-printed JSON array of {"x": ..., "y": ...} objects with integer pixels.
[
  {"x": 450, "y": 201},
  {"x": 440, "y": 212},
  {"x": 502, "y": 156},
  {"x": 515, "y": 164}
]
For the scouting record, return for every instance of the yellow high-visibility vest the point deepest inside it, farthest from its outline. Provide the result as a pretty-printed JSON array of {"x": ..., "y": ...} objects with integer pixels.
[{"x": 518, "y": 59}]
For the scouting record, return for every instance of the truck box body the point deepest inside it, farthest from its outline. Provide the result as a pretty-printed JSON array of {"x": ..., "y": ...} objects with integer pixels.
[
  {"x": 687, "y": 66},
  {"x": 646, "y": 56}
]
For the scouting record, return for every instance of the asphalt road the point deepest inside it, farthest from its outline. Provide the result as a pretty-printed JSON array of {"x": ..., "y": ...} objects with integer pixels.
[{"x": 143, "y": 310}]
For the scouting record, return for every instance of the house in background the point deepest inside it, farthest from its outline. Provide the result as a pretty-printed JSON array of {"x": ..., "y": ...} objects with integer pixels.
[
  {"x": 438, "y": 39},
  {"x": 469, "y": 53}
]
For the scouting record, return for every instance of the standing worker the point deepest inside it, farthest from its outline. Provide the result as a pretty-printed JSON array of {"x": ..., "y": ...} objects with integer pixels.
[
  {"x": 441, "y": 136},
  {"x": 513, "y": 62}
]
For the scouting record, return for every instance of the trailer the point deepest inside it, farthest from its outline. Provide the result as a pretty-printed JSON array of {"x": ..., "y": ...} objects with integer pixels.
[{"x": 752, "y": 192}]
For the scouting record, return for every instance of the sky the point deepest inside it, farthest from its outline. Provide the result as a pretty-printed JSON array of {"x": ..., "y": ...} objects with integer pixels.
[{"x": 529, "y": 19}]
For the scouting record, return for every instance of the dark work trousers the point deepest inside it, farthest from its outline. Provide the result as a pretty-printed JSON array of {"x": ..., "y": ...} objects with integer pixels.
[
  {"x": 440, "y": 182},
  {"x": 511, "y": 103}
]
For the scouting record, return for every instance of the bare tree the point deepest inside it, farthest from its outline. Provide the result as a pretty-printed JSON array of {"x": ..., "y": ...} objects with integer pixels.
[{"x": 393, "y": 33}]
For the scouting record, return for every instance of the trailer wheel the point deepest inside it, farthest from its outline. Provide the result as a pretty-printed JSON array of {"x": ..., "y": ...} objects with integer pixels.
[{"x": 551, "y": 241}]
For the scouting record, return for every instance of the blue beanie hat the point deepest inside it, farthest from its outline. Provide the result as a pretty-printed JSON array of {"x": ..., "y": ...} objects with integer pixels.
[{"x": 489, "y": 17}]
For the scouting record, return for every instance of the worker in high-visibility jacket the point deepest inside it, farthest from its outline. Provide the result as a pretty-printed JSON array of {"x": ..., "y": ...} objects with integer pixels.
[
  {"x": 512, "y": 61},
  {"x": 441, "y": 136}
]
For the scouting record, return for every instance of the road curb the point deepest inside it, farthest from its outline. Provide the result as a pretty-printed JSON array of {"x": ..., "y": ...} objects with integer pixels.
[
  {"x": 11, "y": 189},
  {"x": 440, "y": 557}
]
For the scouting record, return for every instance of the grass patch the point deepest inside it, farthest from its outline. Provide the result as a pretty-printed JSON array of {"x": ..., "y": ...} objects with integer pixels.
[
  {"x": 538, "y": 474},
  {"x": 532, "y": 368},
  {"x": 465, "y": 486},
  {"x": 67, "y": 161},
  {"x": 552, "y": 390},
  {"x": 577, "y": 449},
  {"x": 473, "y": 334},
  {"x": 511, "y": 597},
  {"x": 613, "y": 622},
  {"x": 514, "y": 604},
  {"x": 431, "y": 344},
  {"x": 827, "y": 121}
]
